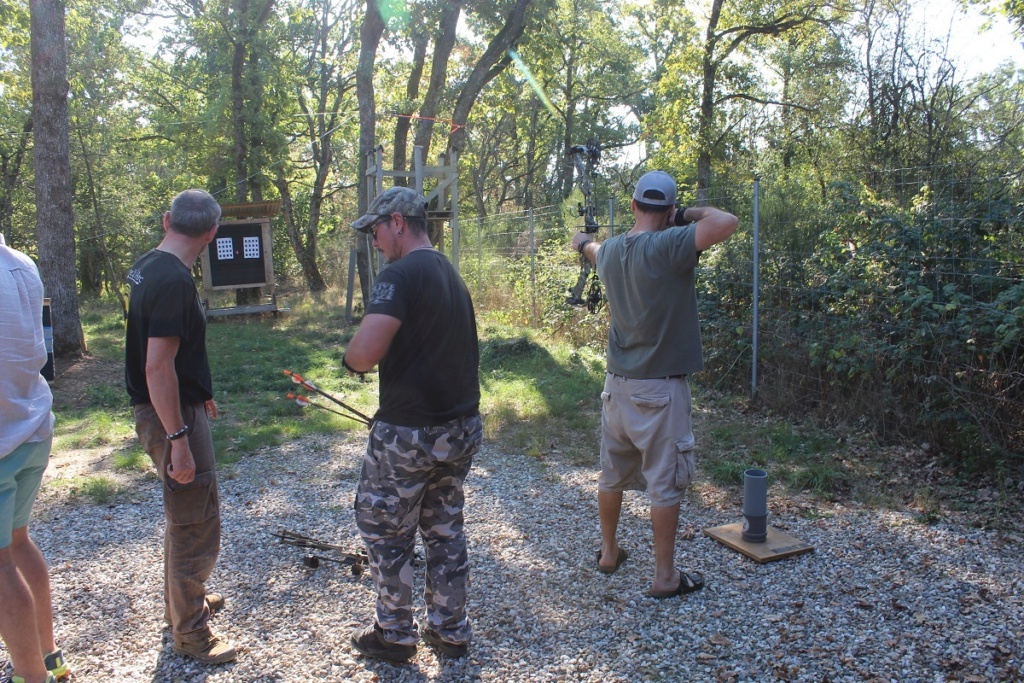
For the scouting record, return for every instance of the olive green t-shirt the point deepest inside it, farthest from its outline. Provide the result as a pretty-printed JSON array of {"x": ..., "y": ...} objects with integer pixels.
[{"x": 649, "y": 283}]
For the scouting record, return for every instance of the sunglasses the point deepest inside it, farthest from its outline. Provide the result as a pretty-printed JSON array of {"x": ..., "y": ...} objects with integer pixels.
[{"x": 373, "y": 226}]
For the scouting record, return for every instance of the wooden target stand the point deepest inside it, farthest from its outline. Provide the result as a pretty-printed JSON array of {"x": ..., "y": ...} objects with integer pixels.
[
  {"x": 442, "y": 206},
  {"x": 241, "y": 257},
  {"x": 778, "y": 545}
]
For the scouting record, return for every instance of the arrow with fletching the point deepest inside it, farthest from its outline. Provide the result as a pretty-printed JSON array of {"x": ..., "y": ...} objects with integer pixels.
[{"x": 304, "y": 401}]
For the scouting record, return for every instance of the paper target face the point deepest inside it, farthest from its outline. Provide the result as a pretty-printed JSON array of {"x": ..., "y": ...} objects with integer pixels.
[
  {"x": 225, "y": 252},
  {"x": 251, "y": 247}
]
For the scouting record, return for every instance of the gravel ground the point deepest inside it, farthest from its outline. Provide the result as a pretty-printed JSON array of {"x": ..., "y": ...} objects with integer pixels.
[{"x": 881, "y": 598}]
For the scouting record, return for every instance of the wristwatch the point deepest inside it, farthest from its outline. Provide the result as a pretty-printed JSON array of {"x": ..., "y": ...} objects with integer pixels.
[{"x": 184, "y": 431}]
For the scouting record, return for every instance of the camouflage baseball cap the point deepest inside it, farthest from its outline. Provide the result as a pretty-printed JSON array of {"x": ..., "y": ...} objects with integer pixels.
[{"x": 403, "y": 200}]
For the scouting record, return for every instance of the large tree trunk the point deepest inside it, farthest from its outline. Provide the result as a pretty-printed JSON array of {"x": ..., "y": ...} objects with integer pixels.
[
  {"x": 372, "y": 29},
  {"x": 10, "y": 173},
  {"x": 54, "y": 215},
  {"x": 438, "y": 75},
  {"x": 246, "y": 99},
  {"x": 492, "y": 63},
  {"x": 412, "y": 93},
  {"x": 705, "y": 119},
  {"x": 305, "y": 249},
  {"x": 238, "y": 147}
]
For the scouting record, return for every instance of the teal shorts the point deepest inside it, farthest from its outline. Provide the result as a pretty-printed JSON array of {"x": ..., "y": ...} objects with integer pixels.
[{"x": 21, "y": 473}]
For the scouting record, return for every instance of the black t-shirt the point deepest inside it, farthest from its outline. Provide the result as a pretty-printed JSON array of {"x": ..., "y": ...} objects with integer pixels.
[
  {"x": 164, "y": 303},
  {"x": 430, "y": 373}
]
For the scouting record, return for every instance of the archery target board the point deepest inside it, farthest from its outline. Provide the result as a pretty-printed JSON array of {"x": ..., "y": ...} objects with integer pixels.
[{"x": 239, "y": 255}]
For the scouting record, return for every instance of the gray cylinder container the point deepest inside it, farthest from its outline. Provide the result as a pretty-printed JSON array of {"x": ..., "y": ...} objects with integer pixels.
[{"x": 755, "y": 506}]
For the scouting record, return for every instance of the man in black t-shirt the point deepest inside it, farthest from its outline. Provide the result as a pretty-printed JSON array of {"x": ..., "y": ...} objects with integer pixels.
[
  {"x": 420, "y": 327},
  {"x": 167, "y": 374}
]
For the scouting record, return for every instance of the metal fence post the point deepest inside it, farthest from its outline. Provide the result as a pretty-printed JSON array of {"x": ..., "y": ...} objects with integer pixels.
[
  {"x": 754, "y": 315},
  {"x": 479, "y": 253},
  {"x": 611, "y": 218},
  {"x": 533, "y": 268}
]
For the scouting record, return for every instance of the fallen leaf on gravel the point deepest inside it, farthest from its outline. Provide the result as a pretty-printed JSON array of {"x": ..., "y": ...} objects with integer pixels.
[
  {"x": 726, "y": 675},
  {"x": 719, "y": 639}
]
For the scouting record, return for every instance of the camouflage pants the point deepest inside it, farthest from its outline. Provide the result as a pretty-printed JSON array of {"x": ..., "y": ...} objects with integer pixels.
[{"x": 412, "y": 478}]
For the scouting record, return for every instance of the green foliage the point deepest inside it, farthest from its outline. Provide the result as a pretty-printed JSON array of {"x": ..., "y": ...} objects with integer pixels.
[{"x": 906, "y": 312}]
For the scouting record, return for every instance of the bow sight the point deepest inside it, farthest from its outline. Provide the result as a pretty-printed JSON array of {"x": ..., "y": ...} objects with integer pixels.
[{"x": 585, "y": 158}]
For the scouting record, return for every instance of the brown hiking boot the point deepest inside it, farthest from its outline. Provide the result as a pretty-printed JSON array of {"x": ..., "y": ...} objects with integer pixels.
[
  {"x": 208, "y": 650},
  {"x": 214, "y": 602},
  {"x": 370, "y": 642},
  {"x": 453, "y": 650}
]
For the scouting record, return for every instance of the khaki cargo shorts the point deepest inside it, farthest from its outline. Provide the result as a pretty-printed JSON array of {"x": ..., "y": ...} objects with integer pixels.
[{"x": 647, "y": 437}]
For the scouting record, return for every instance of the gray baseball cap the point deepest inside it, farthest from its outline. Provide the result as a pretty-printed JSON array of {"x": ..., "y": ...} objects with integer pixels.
[
  {"x": 404, "y": 200},
  {"x": 656, "y": 188}
]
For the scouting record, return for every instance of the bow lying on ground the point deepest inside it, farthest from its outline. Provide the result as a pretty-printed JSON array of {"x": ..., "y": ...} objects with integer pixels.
[
  {"x": 304, "y": 401},
  {"x": 356, "y": 560},
  {"x": 292, "y": 538}
]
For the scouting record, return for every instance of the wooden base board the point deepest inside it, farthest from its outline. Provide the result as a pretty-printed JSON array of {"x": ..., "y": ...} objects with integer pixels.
[{"x": 777, "y": 546}]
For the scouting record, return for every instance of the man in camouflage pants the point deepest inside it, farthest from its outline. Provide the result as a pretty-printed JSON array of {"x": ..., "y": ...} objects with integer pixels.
[{"x": 420, "y": 326}]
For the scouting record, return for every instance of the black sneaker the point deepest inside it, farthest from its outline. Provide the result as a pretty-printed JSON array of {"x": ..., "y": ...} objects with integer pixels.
[
  {"x": 370, "y": 642},
  {"x": 453, "y": 650}
]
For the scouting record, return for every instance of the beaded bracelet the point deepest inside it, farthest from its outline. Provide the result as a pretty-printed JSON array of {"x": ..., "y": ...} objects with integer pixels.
[{"x": 178, "y": 434}]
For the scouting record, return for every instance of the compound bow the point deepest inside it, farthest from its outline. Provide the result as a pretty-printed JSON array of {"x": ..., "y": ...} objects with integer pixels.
[{"x": 585, "y": 158}]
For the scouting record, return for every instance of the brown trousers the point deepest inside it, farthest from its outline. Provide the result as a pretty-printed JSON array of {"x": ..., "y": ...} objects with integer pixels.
[{"x": 192, "y": 513}]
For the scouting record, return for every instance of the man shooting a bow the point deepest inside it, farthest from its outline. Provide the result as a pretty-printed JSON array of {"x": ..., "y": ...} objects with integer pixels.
[{"x": 653, "y": 346}]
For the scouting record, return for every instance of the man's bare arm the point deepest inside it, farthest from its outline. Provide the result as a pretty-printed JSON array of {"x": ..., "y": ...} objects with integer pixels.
[{"x": 162, "y": 381}]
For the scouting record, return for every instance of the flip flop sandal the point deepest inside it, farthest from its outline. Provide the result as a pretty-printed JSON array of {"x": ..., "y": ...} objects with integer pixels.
[
  {"x": 623, "y": 556},
  {"x": 688, "y": 583}
]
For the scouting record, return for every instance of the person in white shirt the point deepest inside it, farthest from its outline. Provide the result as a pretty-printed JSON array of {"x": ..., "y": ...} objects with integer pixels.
[{"x": 26, "y": 435}]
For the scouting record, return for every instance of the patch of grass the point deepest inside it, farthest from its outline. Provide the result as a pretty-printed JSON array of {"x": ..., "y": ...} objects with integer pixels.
[
  {"x": 90, "y": 428},
  {"x": 103, "y": 326},
  {"x": 927, "y": 506},
  {"x": 248, "y": 356},
  {"x": 97, "y": 489},
  {"x": 822, "y": 478},
  {"x": 108, "y": 396},
  {"x": 132, "y": 458},
  {"x": 725, "y": 472},
  {"x": 538, "y": 394},
  {"x": 801, "y": 459}
]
